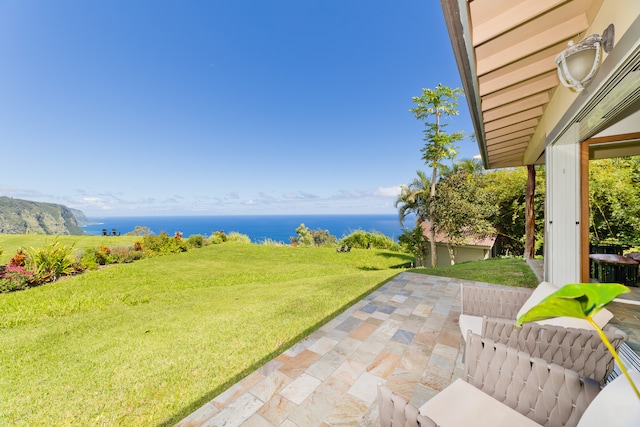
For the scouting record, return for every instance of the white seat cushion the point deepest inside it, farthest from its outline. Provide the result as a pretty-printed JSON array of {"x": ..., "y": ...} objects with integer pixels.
[
  {"x": 615, "y": 406},
  {"x": 470, "y": 323}
]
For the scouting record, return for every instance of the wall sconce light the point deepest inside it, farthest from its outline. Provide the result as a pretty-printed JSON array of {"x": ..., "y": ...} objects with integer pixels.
[{"x": 578, "y": 63}]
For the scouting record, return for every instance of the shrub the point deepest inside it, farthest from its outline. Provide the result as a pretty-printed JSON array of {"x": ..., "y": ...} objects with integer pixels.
[
  {"x": 50, "y": 262},
  {"x": 19, "y": 258},
  {"x": 195, "y": 241},
  {"x": 319, "y": 237},
  {"x": 366, "y": 240},
  {"x": 93, "y": 257},
  {"x": 416, "y": 242},
  {"x": 89, "y": 259},
  {"x": 238, "y": 237},
  {"x": 218, "y": 237},
  {"x": 303, "y": 236},
  {"x": 122, "y": 255},
  {"x": 163, "y": 244},
  {"x": 15, "y": 278},
  {"x": 323, "y": 237},
  {"x": 103, "y": 255},
  {"x": 77, "y": 266}
]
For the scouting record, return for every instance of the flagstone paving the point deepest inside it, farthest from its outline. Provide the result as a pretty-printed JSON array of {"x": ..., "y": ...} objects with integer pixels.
[{"x": 405, "y": 334}]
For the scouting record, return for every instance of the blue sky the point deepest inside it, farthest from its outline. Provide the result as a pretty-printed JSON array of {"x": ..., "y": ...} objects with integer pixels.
[{"x": 154, "y": 107}]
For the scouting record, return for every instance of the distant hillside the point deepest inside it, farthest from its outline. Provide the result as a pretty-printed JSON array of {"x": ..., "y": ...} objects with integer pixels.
[
  {"x": 23, "y": 216},
  {"x": 81, "y": 219}
]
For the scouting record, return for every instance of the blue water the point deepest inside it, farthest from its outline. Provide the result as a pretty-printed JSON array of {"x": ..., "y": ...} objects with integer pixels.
[{"x": 258, "y": 228}]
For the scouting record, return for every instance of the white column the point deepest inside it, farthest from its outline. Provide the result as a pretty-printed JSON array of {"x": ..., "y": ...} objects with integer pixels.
[{"x": 562, "y": 214}]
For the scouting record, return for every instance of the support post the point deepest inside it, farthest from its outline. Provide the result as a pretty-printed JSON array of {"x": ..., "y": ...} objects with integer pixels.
[
  {"x": 530, "y": 217},
  {"x": 563, "y": 213}
]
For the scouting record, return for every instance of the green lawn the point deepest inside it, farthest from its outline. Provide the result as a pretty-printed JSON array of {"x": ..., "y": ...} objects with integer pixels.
[
  {"x": 503, "y": 271},
  {"x": 148, "y": 343}
]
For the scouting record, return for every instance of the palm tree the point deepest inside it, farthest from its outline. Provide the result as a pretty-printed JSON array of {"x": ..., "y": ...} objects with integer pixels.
[
  {"x": 473, "y": 166},
  {"x": 414, "y": 198}
]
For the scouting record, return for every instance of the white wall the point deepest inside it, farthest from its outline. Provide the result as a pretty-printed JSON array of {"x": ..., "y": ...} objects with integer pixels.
[{"x": 465, "y": 254}]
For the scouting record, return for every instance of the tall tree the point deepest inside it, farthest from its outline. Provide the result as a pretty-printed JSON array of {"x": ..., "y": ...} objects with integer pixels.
[
  {"x": 436, "y": 104},
  {"x": 462, "y": 208},
  {"x": 507, "y": 188},
  {"x": 414, "y": 198}
]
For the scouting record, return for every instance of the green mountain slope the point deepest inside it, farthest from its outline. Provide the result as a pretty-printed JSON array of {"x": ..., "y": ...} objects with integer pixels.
[{"x": 24, "y": 216}]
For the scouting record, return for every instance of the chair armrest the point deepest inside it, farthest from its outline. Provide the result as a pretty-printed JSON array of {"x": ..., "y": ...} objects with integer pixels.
[
  {"x": 493, "y": 301},
  {"x": 395, "y": 411},
  {"x": 579, "y": 350},
  {"x": 544, "y": 392}
]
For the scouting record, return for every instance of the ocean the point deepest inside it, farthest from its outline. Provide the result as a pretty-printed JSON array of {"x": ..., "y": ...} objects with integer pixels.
[{"x": 258, "y": 227}]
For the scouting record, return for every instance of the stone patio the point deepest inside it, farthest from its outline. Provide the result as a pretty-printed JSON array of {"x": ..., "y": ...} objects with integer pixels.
[{"x": 405, "y": 334}]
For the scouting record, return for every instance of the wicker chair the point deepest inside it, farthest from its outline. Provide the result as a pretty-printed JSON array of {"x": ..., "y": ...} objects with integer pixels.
[
  {"x": 504, "y": 302},
  {"x": 579, "y": 350},
  {"x": 395, "y": 411},
  {"x": 509, "y": 387}
]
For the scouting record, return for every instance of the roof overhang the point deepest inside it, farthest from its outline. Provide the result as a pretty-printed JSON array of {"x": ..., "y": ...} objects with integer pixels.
[{"x": 506, "y": 49}]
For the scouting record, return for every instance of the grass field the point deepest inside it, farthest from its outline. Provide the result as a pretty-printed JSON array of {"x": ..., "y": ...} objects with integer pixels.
[
  {"x": 504, "y": 271},
  {"x": 148, "y": 343}
]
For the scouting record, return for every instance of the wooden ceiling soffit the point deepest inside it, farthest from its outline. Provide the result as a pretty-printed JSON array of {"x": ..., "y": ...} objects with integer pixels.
[
  {"x": 507, "y": 163},
  {"x": 513, "y": 128},
  {"x": 509, "y": 142},
  {"x": 525, "y": 132},
  {"x": 513, "y": 46},
  {"x": 523, "y": 104},
  {"x": 508, "y": 148},
  {"x": 514, "y": 118},
  {"x": 534, "y": 65},
  {"x": 513, "y": 155},
  {"x": 543, "y": 82},
  {"x": 512, "y": 14}
]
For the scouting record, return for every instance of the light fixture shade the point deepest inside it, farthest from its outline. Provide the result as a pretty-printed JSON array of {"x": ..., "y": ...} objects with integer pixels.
[
  {"x": 578, "y": 63},
  {"x": 582, "y": 64}
]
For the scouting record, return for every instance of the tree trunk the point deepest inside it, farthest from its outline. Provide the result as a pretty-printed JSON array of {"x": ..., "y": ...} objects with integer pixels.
[
  {"x": 530, "y": 220},
  {"x": 432, "y": 228},
  {"x": 452, "y": 254}
]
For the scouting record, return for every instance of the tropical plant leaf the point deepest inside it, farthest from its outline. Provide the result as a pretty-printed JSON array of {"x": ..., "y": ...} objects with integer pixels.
[{"x": 579, "y": 300}]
